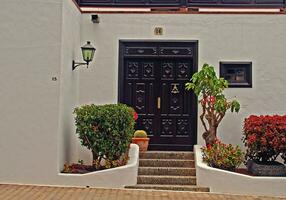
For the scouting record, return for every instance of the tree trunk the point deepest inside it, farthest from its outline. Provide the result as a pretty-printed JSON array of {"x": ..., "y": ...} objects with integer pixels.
[
  {"x": 94, "y": 158},
  {"x": 210, "y": 136}
]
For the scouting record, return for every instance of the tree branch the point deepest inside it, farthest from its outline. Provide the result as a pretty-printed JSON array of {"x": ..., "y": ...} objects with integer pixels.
[
  {"x": 221, "y": 115},
  {"x": 90, "y": 146},
  {"x": 202, "y": 117}
]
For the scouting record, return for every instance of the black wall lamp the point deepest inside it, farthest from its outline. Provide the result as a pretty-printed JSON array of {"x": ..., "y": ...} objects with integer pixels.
[{"x": 87, "y": 54}]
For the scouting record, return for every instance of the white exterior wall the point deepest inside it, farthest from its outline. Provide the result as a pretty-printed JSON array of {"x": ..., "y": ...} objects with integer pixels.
[
  {"x": 222, "y": 37},
  {"x": 70, "y": 50},
  {"x": 30, "y": 55},
  {"x": 39, "y": 40}
]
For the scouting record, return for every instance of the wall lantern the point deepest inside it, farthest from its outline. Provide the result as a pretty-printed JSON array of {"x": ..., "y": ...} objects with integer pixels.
[{"x": 87, "y": 54}]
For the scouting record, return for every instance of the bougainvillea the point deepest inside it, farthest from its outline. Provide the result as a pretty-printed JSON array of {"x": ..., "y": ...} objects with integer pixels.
[
  {"x": 222, "y": 156},
  {"x": 265, "y": 137}
]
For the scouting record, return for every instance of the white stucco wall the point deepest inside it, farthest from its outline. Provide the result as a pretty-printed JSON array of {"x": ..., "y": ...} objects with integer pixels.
[
  {"x": 70, "y": 50},
  {"x": 224, "y": 37},
  {"x": 38, "y": 40},
  {"x": 30, "y": 55}
]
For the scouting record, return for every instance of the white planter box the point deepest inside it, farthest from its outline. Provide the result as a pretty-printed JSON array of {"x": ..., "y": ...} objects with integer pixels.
[
  {"x": 110, "y": 178},
  {"x": 222, "y": 181}
]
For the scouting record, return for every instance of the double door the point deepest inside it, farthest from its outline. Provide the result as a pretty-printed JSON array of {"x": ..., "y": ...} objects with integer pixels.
[{"x": 155, "y": 88}]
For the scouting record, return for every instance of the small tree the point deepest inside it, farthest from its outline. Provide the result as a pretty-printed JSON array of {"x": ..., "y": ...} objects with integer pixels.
[{"x": 209, "y": 89}]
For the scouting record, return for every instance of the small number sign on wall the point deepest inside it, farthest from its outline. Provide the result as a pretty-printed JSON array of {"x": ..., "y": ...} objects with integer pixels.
[{"x": 158, "y": 31}]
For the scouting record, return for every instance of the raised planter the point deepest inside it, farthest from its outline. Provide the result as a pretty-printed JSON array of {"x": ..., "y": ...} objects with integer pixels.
[
  {"x": 271, "y": 169},
  {"x": 222, "y": 181},
  {"x": 117, "y": 177}
]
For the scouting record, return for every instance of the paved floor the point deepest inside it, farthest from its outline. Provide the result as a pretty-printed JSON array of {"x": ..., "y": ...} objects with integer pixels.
[{"x": 20, "y": 192}]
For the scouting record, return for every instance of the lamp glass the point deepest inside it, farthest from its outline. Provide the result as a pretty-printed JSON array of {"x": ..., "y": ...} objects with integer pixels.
[{"x": 87, "y": 52}]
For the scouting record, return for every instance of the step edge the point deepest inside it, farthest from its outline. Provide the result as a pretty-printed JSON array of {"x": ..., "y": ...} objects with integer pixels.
[
  {"x": 165, "y": 185},
  {"x": 164, "y": 176},
  {"x": 158, "y": 159},
  {"x": 181, "y": 168}
]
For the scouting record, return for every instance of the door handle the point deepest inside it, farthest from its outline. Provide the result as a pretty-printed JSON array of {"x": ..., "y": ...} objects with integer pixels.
[{"x": 159, "y": 102}]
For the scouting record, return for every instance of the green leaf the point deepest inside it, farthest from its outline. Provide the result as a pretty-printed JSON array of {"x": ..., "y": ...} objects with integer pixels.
[{"x": 235, "y": 106}]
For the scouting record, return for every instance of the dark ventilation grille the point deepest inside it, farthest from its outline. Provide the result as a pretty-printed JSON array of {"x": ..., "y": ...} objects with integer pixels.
[{"x": 238, "y": 74}]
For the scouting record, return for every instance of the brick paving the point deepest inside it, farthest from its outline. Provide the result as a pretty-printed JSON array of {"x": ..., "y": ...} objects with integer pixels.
[{"x": 25, "y": 192}]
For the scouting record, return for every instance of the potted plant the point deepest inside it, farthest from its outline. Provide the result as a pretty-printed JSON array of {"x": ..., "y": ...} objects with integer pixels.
[
  {"x": 265, "y": 140},
  {"x": 141, "y": 139},
  {"x": 209, "y": 88},
  {"x": 223, "y": 156}
]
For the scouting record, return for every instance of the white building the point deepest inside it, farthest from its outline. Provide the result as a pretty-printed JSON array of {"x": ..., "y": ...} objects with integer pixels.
[{"x": 132, "y": 64}]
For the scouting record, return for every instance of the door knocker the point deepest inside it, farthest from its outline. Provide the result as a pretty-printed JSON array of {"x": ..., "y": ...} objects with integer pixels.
[{"x": 175, "y": 89}]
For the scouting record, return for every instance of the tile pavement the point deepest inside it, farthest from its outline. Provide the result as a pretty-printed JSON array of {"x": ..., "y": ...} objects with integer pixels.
[{"x": 26, "y": 192}]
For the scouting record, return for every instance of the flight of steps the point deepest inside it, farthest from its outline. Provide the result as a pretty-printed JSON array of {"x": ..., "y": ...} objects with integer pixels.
[{"x": 159, "y": 170}]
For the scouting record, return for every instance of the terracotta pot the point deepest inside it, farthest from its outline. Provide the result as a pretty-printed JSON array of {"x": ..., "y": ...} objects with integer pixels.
[{"x": 142, "y": 143}]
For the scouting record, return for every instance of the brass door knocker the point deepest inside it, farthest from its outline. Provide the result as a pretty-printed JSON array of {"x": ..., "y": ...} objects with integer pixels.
[{"x": 175, "y": 89}]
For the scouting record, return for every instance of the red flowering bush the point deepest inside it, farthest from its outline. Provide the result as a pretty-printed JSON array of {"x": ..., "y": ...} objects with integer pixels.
[
  {"x": 265, "y": 137},
  {"x": 222, "y": 156}
]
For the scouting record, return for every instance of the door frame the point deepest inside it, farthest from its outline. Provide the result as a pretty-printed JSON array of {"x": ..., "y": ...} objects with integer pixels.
[{"x": 122, "y": 44}]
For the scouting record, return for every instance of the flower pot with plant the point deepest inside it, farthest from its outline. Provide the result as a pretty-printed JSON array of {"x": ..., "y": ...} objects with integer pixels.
[
  {"x": 265, "y": 140},
  {"x": 141, "y": 139}
]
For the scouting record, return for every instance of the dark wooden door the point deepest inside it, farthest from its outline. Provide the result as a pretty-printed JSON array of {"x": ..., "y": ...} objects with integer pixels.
[{"x": 151, "y": 79}]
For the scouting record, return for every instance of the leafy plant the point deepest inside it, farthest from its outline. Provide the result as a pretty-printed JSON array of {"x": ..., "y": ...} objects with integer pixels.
[
  {"x": 265, "y": 137},
  {"x": 222, "y": 156},
  {"x": 106, "y": 130},
  {"x": 140, "y": 134},
  {"x": 209, "y": 88}
]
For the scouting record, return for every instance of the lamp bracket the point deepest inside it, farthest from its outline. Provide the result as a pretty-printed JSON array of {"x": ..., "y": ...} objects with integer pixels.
[{"x": 76, "y": 64}]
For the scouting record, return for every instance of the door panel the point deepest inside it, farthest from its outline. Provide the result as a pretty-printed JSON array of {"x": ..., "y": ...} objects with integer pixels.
[
  {"x": 155, "y": 88},
  {"x": 140, "y": 92},
  {"x": 174, "y": 115}
]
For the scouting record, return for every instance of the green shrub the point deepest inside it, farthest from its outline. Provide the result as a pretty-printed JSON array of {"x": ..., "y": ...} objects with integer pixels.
[
  {"x": 140, "y": 134},
  {"x": 106, "y": 130}
]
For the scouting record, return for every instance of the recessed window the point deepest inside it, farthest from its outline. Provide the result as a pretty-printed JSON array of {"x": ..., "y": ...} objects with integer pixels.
[{"x": 238, "y": 74}]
